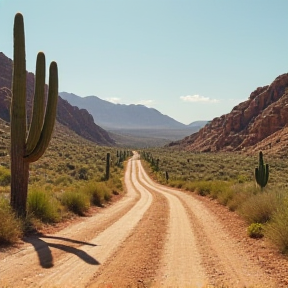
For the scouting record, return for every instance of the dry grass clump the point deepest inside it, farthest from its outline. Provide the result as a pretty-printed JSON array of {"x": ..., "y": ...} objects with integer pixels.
[
  {"x": 43, "y": 206},
  {"x": 241, "y": 193},
  {"x": 76, "y": 201},
  {"x": 277, "y": 228},
  {"x": 98, "y": 192},
  {"x": 10, "y": 226},
  {"x": 260, "y": 208}
]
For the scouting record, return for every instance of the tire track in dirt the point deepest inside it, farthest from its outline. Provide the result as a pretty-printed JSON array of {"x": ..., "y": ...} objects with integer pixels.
[
  {"x": 181, "y": 261},
  {"x": 135, "y": 263},
  {"x": 224, "y": 260},
  {"x": 75, "y": 266}
]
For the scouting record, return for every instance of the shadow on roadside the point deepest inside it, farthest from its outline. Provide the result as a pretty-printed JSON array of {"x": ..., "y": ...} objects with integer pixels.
[{"x": 44, "y": 253}]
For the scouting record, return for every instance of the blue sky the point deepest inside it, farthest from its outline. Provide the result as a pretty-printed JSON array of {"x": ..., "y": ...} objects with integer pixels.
[{"x": 189, "y": 59}]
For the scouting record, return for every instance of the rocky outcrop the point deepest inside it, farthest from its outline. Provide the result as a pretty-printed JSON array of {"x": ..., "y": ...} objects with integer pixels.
[
  {"x": 78, "y": 120},
  {"x": 264, "y": 113},
  {"x": 81, "y": 122}
]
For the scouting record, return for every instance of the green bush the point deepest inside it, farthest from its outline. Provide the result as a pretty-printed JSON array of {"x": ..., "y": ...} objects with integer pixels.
[
  {"x": 98, "y": 192},
  {"x": 277, "y": 229},
  {"x": 255, "y": 230},
  {"x": 76, "y": 202},
  {"x": 115, "y": 182},
  {"x": 5, "y": 176},
  {"x": 10, "y": 226},
  {"x": 43, "y": 206}
]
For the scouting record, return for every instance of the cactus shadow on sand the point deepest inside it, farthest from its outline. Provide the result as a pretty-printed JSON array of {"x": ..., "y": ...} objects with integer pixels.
[{"x": 45, "y": 255}]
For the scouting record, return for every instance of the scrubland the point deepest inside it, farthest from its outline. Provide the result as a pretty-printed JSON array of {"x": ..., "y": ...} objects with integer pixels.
[
  {"x": 64, "y": 183},
  {"x": 229, "y": 178}
]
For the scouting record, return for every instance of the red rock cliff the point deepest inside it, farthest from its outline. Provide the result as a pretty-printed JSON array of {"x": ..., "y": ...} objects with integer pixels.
[{"x": 264, "y": 113}]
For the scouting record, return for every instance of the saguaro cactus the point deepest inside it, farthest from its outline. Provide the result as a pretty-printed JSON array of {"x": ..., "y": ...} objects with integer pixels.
[
  {"x": 26, "y": 149},
  {"x": 262, "y": 172}
]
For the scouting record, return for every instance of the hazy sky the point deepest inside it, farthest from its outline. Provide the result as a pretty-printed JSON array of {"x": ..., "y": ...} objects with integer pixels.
[{"x": 190, "y": 59}]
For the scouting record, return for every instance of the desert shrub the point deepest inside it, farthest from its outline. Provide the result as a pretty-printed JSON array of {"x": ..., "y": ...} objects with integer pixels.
[
  {"x": 202, "y": 188},
  {"x": 242, "y": 178},
  {"x": 115, "y": 183},
  {"x": 83, "y": 173},
  {"x": 42, "y": 205},
  {"x": 98, "y": 192},
  {"x": 10, "y": 225},
  {"x": 255, "y": 230},
  {"x": 241, "y": 193},
  {"x": 63, "y": 180},
  {"x": 176, "y": 183},
  {"x": 220, "y": 190},
  {"x": 259, "y": 208},
  {"x": 5, "y": 176},
  {"x": 225, "y": 195},
  {"x": 70, "y": 166},
  {"x": 76, "y": 202},
  {"x": 277, "y": 228}
]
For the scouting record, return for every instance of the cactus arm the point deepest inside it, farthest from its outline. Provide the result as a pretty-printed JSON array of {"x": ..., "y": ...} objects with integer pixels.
[
  {"x": 50, "y": 116},
  {"x": 18, "y": 111},
  {"x": 38, "y": 105},
  {"x": 19, "y": 168},
  {"x": 22, "y": 152}
]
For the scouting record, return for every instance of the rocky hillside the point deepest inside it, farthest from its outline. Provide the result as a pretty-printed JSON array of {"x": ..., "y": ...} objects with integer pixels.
[
  {"x": 78, "y": 120},
  {"x": 257, "y": 122}
]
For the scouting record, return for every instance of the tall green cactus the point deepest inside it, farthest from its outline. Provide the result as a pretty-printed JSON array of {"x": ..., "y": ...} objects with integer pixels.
[
  {"x": 26, "y": 149},
  {"x": 262, "y": 172}
]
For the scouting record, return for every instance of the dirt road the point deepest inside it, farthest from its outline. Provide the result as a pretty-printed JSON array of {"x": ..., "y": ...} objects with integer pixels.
[{"x": 153, "y": 237}]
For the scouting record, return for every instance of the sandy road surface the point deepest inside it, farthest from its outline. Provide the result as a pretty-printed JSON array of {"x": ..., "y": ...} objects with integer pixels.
[
  {"x": 155, "y": 236},
  {"x": 213, "y": 255},
  {"x": 72, "y": 256}
]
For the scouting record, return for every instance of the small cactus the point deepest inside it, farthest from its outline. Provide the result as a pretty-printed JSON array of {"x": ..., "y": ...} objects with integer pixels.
[
  {"x": 166, "y": 176},
  {"x": 262, "y": 172},
  {"x": 26, "y": 149}
]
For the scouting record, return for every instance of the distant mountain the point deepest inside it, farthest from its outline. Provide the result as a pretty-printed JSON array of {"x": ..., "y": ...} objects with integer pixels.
[
  {"x": 78, "y": 120},
  {"x": 257, "y": 123},
  {"x": 119, "y": 116},
  {"x": 198, "y": 124}
]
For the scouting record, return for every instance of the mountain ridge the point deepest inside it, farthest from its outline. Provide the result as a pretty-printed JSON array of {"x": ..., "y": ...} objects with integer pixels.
[
  {"x": 122, "y": 116},
  {"x": 249, "y": 125}
]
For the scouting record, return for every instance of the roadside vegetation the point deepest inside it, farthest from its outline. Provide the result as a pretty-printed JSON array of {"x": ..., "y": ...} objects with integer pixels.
[
  {"x": 66, "y": 182},
  {"x": 230, "y": 178}
]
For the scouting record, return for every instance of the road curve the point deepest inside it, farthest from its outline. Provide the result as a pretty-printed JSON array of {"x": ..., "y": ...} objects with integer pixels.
[
  {"x": 39, "y": 264},
  {"x": 166, "y": 234}
]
